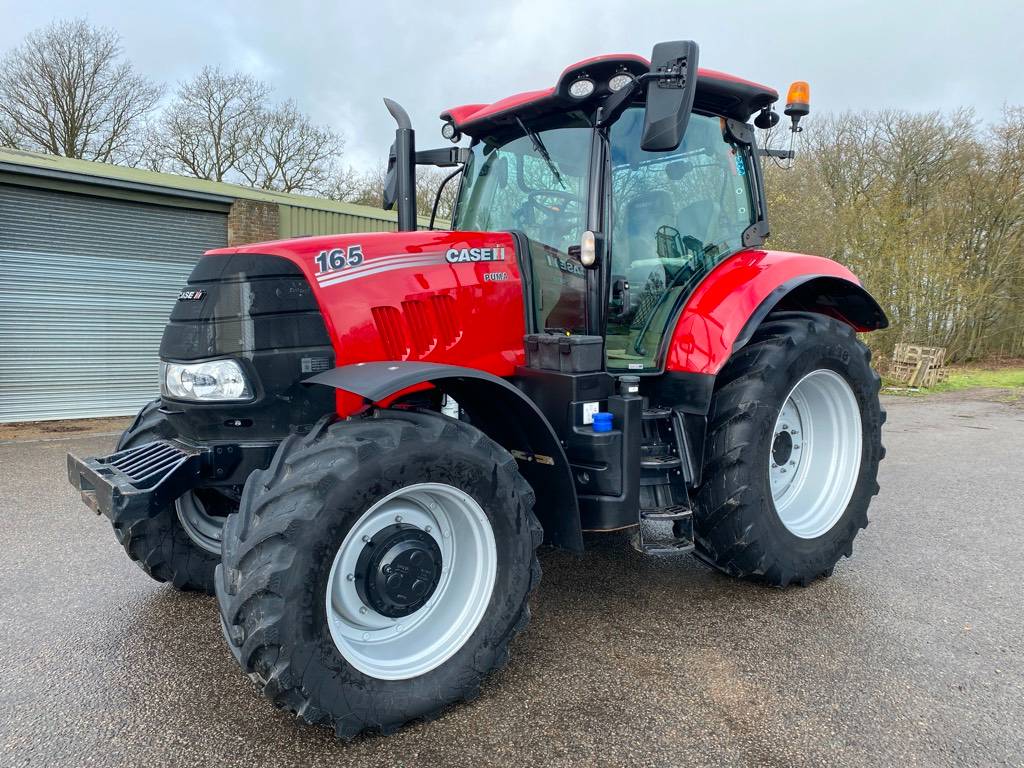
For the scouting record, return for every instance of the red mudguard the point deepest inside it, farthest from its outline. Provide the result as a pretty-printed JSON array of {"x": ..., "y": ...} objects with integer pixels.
[{"x": 717, "y": 312}]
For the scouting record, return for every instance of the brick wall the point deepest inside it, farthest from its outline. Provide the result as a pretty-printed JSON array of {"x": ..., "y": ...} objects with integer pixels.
[{"x": 252, "y": 221}]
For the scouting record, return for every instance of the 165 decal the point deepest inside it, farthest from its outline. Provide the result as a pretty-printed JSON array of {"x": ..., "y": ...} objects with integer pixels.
[{"x": 338, "y": 258}]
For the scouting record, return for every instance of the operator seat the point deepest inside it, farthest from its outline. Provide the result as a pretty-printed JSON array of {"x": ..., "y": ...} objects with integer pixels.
[
  {"x": 644, "y": 214},
  {"x": 700, "y": 220}
]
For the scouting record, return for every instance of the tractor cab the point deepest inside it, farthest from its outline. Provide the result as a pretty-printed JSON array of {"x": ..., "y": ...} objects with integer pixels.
[{"x": 579, "y": 162}]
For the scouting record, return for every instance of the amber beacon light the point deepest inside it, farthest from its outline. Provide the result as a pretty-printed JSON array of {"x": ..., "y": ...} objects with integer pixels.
[{"x": 798, "y": 102}]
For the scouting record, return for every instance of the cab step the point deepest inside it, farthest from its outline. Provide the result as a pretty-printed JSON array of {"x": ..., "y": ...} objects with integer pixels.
[
  {"x": 660, "y": 462},
  {"x": 652, "y": 539},
  {"x": 667, "y": 514}
]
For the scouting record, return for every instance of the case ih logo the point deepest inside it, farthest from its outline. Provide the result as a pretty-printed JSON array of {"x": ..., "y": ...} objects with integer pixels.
[
  {"x": 457, "y": 255},
  {"x": 189, "y": 294}
]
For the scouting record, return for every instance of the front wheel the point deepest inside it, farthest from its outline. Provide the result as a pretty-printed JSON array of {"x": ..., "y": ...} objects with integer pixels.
[
  {"x": 378, "y": 569},
  {"x": 792, "y": 452}
]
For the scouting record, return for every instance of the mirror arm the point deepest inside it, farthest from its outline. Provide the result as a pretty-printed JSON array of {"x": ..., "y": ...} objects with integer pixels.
[
  {"x": 616, "y": 104},
  {"x": 443, "y": 158}
]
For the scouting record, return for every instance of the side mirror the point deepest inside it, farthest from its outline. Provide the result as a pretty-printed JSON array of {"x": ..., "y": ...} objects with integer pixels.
[
  {"x": 391, "y": 180},
  {"x": 670, "y": 91}
]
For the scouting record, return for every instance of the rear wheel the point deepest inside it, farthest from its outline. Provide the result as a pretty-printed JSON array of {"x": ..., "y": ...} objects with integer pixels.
[
  {"x": 181, "y": 543},
  {"x": 792, "y": 452},
  {"x": 378, "y": 569}
]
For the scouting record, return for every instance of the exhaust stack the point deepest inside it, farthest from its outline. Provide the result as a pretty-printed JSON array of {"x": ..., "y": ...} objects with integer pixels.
[{"x": 400, "y": 185}]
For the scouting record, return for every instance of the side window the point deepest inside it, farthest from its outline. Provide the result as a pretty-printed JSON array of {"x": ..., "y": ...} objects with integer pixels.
[
  {"x": 674, "y": 215},
  {"x": 511, "y": 186}
]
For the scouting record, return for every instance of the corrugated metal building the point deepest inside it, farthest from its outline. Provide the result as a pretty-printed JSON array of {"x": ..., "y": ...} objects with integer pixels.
[{"x": 91, "y": 259}]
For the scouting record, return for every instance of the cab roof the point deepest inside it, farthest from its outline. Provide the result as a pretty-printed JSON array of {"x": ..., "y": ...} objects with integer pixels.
[{"x": 717, "y": 92}]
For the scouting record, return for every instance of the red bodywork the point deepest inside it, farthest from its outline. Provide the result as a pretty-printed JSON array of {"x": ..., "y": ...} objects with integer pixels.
[
  {"x": 730, "y": 94},
  {"x": 404, "y": 300},
  {"x": 715, "y": 314}
]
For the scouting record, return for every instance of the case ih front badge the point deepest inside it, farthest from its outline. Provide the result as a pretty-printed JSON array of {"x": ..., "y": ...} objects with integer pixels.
[{"x": 361, "y": 440}]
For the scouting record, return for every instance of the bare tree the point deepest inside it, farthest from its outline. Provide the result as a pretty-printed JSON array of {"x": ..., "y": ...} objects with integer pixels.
[
  {"x": 928, "y": 209},
  {"x": 208, "y": 128},
  {"x": 367, "y": 188},
  {"x": 67, "y": 91},
  {"x": 287, "y": 152}
]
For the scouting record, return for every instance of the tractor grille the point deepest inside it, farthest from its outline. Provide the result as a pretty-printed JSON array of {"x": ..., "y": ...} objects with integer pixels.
[
  {"x": 247, "y": 304},
  {"x": 261, "y": 311}
]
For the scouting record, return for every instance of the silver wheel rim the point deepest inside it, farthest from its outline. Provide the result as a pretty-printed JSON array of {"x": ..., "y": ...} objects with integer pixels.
[
  {"x": 398, "y": 649},
  {"x": 815, "y": 454},
  {"x": 204, "y": 529}
]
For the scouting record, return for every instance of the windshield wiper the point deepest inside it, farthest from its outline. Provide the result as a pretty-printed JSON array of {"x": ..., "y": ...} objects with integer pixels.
[{"x": 541, "y": 150}]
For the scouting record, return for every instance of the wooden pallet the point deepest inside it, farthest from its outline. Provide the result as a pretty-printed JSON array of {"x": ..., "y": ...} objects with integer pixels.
[{"x": 918, "y": 366}]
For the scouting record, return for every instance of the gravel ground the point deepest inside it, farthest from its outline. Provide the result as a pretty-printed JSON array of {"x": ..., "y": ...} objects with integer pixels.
[{"x": 911, "y": 654}]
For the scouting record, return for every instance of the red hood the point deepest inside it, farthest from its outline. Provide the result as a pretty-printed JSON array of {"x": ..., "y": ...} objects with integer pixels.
[{"x": 445, "y": 297}]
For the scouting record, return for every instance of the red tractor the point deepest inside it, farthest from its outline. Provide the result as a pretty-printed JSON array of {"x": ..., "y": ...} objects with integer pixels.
[{"x": 362, "y": 439}]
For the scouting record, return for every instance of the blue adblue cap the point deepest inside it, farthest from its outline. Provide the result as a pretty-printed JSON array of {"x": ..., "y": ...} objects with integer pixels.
[{"x": 602, "y": 422}]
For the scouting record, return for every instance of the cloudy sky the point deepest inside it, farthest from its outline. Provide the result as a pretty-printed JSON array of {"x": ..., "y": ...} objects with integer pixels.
[{"x": 338, "y": 59}]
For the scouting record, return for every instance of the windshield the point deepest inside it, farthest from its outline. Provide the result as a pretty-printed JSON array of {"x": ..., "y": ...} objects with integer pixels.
[
  {"x": 675, "y": 216},
  {"x": 510, "y": 184}
]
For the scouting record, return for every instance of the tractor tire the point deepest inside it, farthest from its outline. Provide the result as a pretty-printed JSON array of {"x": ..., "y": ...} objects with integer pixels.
[
  {"x": 309, "y": 613},
  {"x": 791, "y": 454},
  {"x": 160, "y": 544}
]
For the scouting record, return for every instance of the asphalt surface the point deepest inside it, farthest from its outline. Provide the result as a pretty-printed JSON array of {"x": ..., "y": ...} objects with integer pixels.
[{"x": 911, "y": 654}]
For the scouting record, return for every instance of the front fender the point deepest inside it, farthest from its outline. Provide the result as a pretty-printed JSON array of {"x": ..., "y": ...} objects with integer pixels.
[
  {"x": 497, "y": 409},
  {"x": 724, "y": 311}
]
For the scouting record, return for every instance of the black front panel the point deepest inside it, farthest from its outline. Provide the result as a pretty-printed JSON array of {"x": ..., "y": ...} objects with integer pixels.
[{"x": 261, "y": 311}]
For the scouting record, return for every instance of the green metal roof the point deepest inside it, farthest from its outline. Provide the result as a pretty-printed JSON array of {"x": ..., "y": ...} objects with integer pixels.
[{"x": 18, "y": 161}]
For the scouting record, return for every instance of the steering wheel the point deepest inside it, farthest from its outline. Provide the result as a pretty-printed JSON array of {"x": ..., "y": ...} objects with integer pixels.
[{"x": 569, "y": 198}]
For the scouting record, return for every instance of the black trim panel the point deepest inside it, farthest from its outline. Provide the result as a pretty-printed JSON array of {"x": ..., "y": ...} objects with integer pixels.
[{"x": 825, "y": 294}]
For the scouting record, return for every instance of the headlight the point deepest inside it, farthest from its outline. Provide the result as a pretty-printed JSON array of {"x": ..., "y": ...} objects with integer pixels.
[{"x": 209, "y": 381}]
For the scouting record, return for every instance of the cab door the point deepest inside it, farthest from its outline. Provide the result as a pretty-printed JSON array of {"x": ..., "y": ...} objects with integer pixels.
[{"x": 674, "y": 216}]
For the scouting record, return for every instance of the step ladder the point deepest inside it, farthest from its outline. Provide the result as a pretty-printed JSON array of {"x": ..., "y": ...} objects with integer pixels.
[{"x": 666, "y": 517}]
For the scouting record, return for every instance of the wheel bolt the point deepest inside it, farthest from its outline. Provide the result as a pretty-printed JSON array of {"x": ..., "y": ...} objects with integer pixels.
[
  {"x": 366, "y": 539},
  {"x": 783, "y": 470},
  {"x": 792, "y": 463},
  {"x": 398, "y": 518},
  {"x": 351, "y": 577},
  {"x": 427, "y": 529},
  {"x": 362, "y": 609}
]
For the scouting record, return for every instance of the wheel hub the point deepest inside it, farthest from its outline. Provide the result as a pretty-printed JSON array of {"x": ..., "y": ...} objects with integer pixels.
[
  {"x": 815, "y": 453},
  {"x": 423, "y": 630},
  {"x": 782, "y": 448},
  {"x": 398, "y": 570}
]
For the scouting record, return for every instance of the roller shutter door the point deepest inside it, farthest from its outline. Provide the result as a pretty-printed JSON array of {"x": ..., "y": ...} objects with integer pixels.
[{"x": 86, "y": 285}]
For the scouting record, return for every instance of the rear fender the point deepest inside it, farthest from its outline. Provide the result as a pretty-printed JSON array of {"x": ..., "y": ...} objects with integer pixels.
[
  {"x": 497, "y": 409},
  {"x": 732, "y": 301}
]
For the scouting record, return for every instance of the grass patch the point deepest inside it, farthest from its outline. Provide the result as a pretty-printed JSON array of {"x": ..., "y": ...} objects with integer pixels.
[
  {"x": 984, "y": 378},
  {"x": 1011, "y": 378}
]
